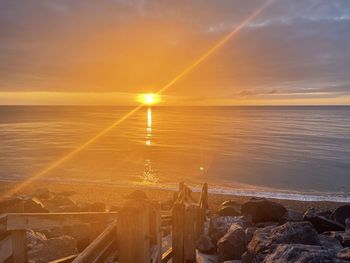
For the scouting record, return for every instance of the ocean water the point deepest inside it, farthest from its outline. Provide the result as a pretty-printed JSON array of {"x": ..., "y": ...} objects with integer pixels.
[{"x": 284, "y": 152}]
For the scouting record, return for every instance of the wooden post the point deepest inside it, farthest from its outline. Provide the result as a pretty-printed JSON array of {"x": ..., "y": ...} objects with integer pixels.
[
  {"x": 133, "y": 233},
  {"x": 19, "y": 246},
  {"x": 178, "y": 232},
  {"x": 156, "y": 231},
  {"x": 189, "y": 234}
]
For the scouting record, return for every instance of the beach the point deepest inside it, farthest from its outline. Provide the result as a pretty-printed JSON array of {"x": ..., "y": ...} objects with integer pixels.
[{"x": 114, "y": 195}]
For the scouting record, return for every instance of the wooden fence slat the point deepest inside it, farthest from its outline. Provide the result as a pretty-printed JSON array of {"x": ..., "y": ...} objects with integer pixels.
[
  {"x": 19, "y": 246},
  {"x": 177, "y": 232},
  {"x": 189, "y": 233},
  {"x": 155, "y": 230},
  {"x": 5, "y": 247},
  {"x": 133, "y": 233},
  {"x": 167, "y": 255}
]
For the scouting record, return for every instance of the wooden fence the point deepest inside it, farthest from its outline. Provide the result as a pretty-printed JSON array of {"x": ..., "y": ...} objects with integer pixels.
[{"x": 134, "y": 233}]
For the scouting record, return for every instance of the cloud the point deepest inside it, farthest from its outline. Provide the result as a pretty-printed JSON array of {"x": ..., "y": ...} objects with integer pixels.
[{"x": 137, "y": 45}]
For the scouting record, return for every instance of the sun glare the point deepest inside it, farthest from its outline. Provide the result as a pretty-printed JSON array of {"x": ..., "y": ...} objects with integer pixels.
[{"x": 149, "y": 98}]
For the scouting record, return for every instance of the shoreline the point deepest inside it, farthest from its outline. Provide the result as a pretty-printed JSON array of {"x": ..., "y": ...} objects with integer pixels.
[{"x": 113, "y": 195}]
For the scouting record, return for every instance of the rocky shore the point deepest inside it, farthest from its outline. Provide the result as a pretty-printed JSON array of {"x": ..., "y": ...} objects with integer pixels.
[
  {"x": 241, "y": 229},
  {"x": 261, "y": 230}
]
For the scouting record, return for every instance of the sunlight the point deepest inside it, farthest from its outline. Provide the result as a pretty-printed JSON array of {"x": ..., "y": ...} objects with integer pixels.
[{"x": 149, "y": 98}]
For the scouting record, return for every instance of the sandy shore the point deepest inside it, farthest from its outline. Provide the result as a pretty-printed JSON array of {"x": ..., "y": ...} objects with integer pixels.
[{"x": 114, "y": 195}]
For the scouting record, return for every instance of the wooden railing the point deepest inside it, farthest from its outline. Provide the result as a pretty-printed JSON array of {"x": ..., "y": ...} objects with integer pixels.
[{"x": 135, "y": 231}]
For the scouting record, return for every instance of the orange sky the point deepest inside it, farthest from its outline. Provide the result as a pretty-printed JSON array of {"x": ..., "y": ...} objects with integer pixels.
[{"x": 91, "y": 52}]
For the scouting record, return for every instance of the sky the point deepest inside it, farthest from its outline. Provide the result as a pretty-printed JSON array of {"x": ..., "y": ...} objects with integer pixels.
[{"x": 108, "y": 51}]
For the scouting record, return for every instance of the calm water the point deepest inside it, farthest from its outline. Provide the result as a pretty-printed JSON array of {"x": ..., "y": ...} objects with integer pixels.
[{"x": 281, "y": 151}]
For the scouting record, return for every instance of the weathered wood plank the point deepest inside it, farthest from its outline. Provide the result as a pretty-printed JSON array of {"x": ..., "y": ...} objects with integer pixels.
[
  {"x": 40, "y": 221},
  {"x": 189, "y": 234},
  {"x": 96, "y": 251},
  {"x": 19, "y": 246},
  {"x": 167, "y": 255},
  {"x": 68, "y": 259},
  {"x": 178, "y": 232},
  {"x": 133, "y": 233},
  {"x": 5, "y": 247}
]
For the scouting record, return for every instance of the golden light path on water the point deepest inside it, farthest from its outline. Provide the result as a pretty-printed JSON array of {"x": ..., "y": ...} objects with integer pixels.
[{"x": 187, "y": 70}]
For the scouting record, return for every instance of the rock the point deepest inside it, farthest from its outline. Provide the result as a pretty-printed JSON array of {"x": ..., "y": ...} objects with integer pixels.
[
  {"x": 265, "y": 224},
  {"x": 232, "y": 203},
  {"x": 59, "y": 203},
  {"x": 289, "y": 233},
  {"x": 34, "y": 239},
  {"x": 11, "y": 205},
  {"x": 249, "y": 233},
  {"x": 329, "y": 242},
  {"x": 343, "y": 237},
  {"x": 80, "y": 232},
  {"x": 321, "y": 223},
  {"x": 218, "y": 226},
  {"x": 291, "y": 253},
  {"x": 137, "y": 195},
  {"x": 341, "y": 214},
  {"x": 347, "y": 224},
  {"x": 262, "y": 210},
  {"x": 205, "y": 245},
  {"x": 233, "y": 244},
  {"x": 293, "y": 216},
  {"x": 98, "y": 207},
  {"x": 344, "y": 254},
  {"x": 56, "y": 248},
  {"x": 42, "y": 193},
  {"x": 228, "y": 211},
  {"x": 34, "y": 205}
]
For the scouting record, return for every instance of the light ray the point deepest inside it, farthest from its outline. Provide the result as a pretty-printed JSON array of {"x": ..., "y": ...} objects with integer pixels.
[{"x": 217, "y": 46}]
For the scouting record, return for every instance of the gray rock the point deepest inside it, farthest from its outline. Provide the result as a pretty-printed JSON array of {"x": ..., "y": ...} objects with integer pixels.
[
  {"x": 329, "y": 242},
  {"x": 263, "y": 210},
  {"x": 205, "y": 245},
  {"x": 233, "y": 244},
  {"x": 344, "y": 254},
  {"x": 249, "y": 233},
  {"x": 218, "y": 226},
  {"x": 60, "y": 203},
  {"x": 321, "y": 223},
  {"x": 52, "y": 249},
  {"x": 34, "y": 205},
  {"x": 228, "y": 211},
  {"x": 293, "y": 216},
  {"x": 291, "y": 253},
  {"x": 341, "y": 214},
  {"x": 343, "y": 237},
  {"x": 347, "y": 224},
  {"x": 11, "y": 205},
  {"x": 289, "y": 233}
]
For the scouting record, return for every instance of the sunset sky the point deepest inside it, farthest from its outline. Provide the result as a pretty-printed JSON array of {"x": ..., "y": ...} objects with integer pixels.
[{"x": 108, "y": 51}]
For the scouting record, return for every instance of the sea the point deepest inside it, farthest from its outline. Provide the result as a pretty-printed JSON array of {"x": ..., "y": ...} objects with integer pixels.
[{"x": 286, "y": 152}]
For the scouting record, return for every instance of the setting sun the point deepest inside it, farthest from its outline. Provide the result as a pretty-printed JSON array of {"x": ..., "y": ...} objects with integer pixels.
[{"x": 149, "y": 98}]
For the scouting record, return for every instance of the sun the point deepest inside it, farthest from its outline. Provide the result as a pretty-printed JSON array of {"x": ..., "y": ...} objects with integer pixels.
[{"x": 148, "y": 98}]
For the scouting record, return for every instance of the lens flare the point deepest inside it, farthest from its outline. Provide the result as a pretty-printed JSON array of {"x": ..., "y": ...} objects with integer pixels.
[{"x": 148, "y": 99}]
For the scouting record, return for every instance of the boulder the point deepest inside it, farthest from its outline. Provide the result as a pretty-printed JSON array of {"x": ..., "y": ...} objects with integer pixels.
[
  {"x": 341, "y": 214},
  {"x": 227, "y": 211},
  {"x": 343, "y": 237},
  {"x": 56, "y": 248},
  {"x": 233, "y": 244},
  {"x": 263, "y": 210},
  {"x": 329, "y": 242},
  {"x": 344, "y": 254},
  {"x": 114, "y": 208},
  {"x": 347, "y": 224},
  {"x": 289, "y": 233},
  {"x": 34, "y": 239},
  {"x": 249, "y": 233},
  {"x": 321, "y": 223},
  {"x": 80, "y": 232},
  {"x": 34, "y": 205},
  {"x": 293, "y": 216},
  {"x": 205, "y": 245},
  {"x": 98, "y": 207},
  {"x": 291, "y": 253},
  {"x": 11, "y": 205},
  {"x": 137, "y": 195},
  {"x": 59, "y": 203},
  {"x": 42, "y": 193},
  {"x": 218, "y": 226}
]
